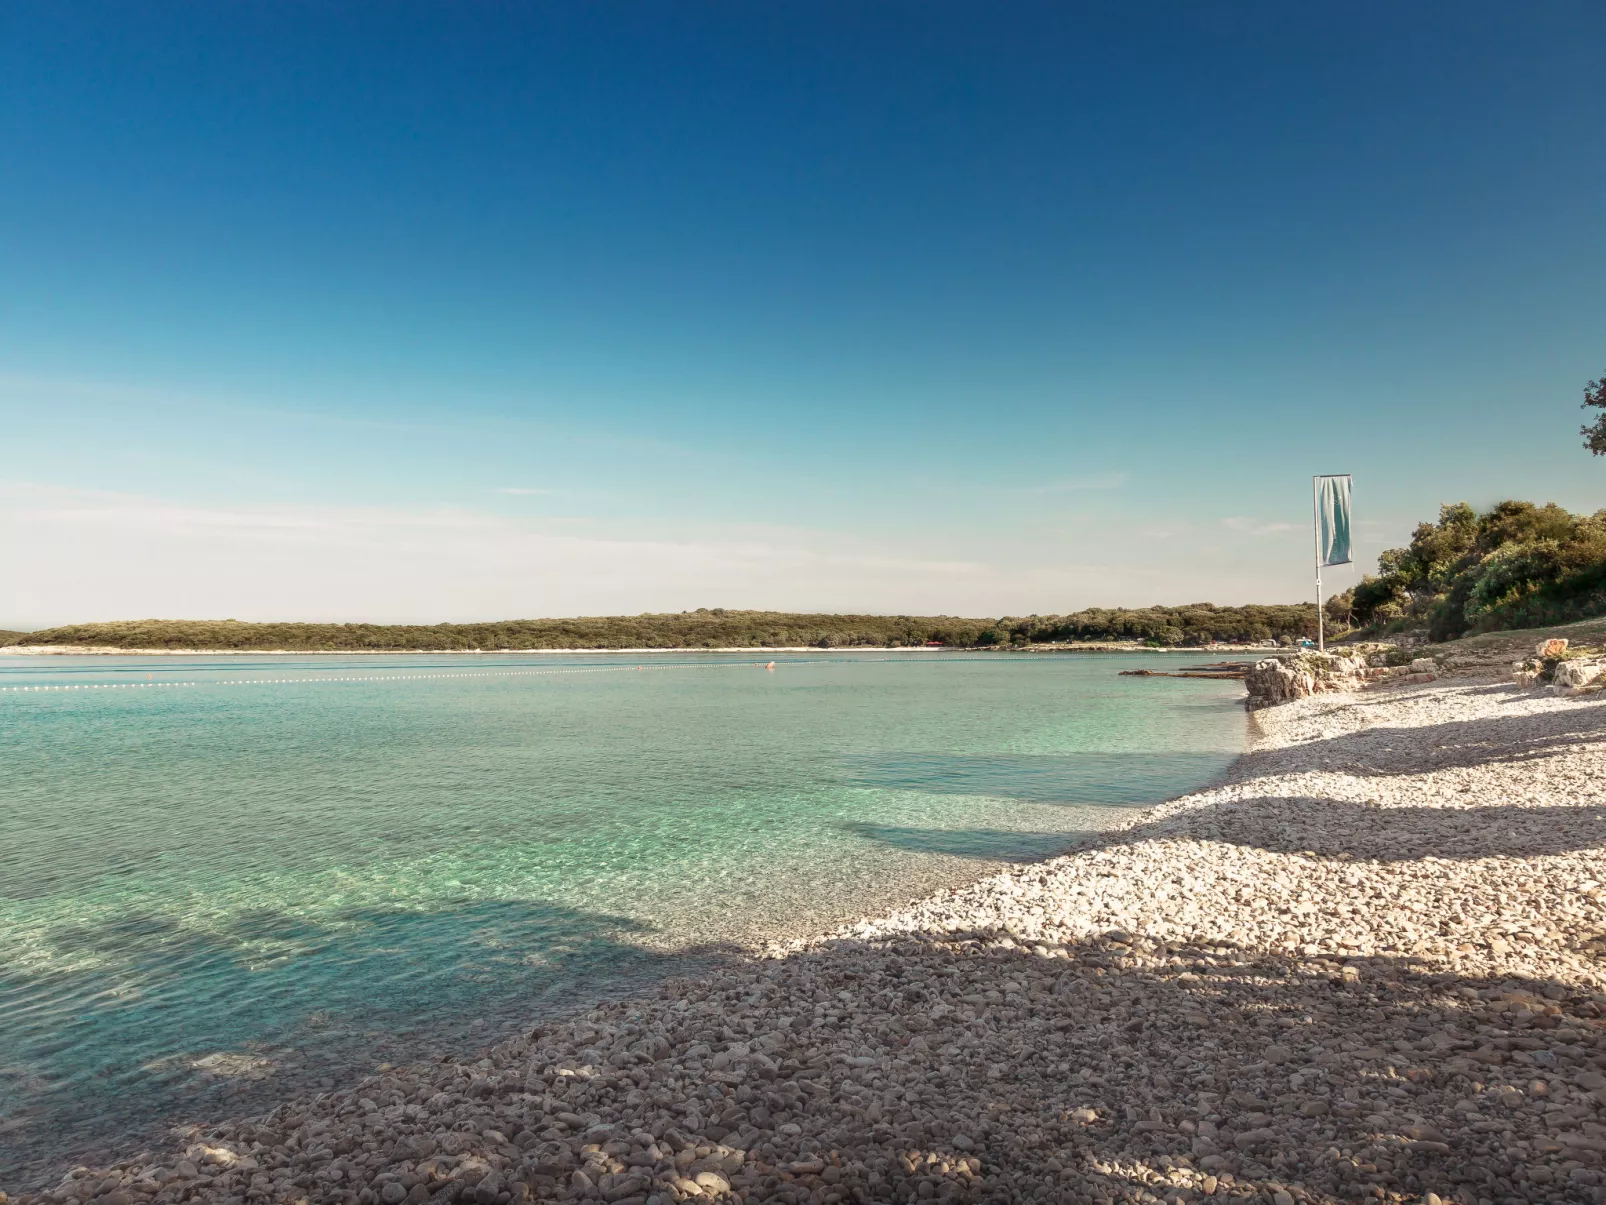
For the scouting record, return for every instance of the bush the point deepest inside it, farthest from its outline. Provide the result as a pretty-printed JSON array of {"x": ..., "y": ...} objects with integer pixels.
[{"x": 1515, "y": 565}]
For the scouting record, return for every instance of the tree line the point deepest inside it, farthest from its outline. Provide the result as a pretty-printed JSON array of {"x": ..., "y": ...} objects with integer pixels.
[{"x": 1192, "y": 625}]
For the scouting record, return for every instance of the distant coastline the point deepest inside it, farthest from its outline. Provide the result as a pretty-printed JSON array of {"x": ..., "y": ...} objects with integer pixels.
[
  {"x": 1196, "y": 626},
  {"x": 58, "y": 650}
]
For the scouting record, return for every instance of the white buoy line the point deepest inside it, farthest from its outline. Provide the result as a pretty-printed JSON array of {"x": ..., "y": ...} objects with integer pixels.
[{"x": 104, "y": 686}]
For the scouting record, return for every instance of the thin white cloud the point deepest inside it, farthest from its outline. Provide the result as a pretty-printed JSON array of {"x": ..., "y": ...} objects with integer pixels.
[
  {"x": 524, "y": 491},
  {"x": 99, "y": 556},
  {"x": 481, "y": 413},
  {"x": 1255, "y": 527}
]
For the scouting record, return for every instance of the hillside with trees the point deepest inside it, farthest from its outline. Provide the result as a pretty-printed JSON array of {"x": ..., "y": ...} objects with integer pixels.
[
  {"x": 1193, "y": 625},
  {"x": 1187, "y": 626},
  {"x": 1516, "y": 565}
]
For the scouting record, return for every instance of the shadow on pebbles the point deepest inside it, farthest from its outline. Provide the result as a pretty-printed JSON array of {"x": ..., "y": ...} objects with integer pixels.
[{"x": 1365, "y": 967}]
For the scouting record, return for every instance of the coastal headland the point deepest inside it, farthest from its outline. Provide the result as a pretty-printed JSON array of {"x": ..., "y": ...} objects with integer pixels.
[
  {"x": 703, "y": 630},
  {"x": 1365, "y": 966}
]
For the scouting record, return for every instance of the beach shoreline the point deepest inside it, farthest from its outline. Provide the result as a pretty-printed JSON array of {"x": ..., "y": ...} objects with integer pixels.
[{"x": 1364, "y": 963}]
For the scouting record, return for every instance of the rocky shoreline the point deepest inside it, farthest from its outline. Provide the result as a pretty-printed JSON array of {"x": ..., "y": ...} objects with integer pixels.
[{"x": 1366, "y": 966}]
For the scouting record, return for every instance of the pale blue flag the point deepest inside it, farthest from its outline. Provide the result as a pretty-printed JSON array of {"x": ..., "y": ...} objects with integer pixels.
[{"x": 1332, "y": 519}]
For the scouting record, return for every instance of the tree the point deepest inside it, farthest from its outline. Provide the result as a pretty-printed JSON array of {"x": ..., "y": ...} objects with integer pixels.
[
  {"x": 1341, "y": 609},
  {"x": 1595, "y": 434}
]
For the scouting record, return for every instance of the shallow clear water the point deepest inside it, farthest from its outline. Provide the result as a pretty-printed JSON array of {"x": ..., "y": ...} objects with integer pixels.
[{"x": 234, "y": 877}]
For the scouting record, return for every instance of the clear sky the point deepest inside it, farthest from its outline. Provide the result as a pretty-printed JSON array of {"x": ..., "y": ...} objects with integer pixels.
[{"x": 455, "y": 311}]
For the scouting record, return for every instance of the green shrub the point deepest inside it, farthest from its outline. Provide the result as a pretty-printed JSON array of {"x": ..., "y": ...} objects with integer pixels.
[{"x": 1515, "y": 565}]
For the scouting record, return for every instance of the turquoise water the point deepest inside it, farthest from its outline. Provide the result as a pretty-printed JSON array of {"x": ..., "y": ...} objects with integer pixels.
[{"x": 225, "y": 879}]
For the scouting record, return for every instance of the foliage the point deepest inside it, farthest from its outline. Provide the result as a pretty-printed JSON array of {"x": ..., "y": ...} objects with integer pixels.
[
  {"x": 1340, "y": 611},
  {"x": 703, "y": 628},
  {"x": 1193, "y": 625},
  {"x": 1595, "y": 433},
  {"x": 1515, "y": 565}
]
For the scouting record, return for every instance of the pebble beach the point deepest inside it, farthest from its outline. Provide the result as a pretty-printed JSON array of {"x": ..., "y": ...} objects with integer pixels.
[{"x": 1366, "y": 966}]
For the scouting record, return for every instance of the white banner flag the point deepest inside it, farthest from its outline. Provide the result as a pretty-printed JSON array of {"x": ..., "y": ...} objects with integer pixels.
[{"x": 1332, "y": 520}]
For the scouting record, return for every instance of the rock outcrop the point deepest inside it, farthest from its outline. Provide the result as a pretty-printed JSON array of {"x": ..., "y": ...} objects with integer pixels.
[
  {"x": 1551, "y": 666},
  {"x": 1576, "y": 675},
  {"x": 1276, "y": 680}
]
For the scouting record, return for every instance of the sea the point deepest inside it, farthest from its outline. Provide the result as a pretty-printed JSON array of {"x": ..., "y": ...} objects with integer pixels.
[{"x": 228, "y": 880}]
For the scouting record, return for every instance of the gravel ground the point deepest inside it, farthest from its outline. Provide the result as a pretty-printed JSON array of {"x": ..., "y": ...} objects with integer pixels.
[{"x": 1366, "y": 966}]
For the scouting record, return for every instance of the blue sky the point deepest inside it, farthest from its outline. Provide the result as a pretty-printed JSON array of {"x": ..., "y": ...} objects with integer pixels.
[{"x": 435, "y": 311}]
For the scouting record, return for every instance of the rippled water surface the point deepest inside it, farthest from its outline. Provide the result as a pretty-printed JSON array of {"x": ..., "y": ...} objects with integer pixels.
[{"x": 226, "y": 879}]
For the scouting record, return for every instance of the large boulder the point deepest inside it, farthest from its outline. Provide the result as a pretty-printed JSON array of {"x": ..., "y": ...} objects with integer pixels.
[
  {"x": 1575, "y": 675},
  {"x": 1277, "y": 680}
]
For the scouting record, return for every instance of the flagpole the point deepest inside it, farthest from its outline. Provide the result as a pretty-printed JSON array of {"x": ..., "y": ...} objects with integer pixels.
[{"x": 1316, "y": 528}]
